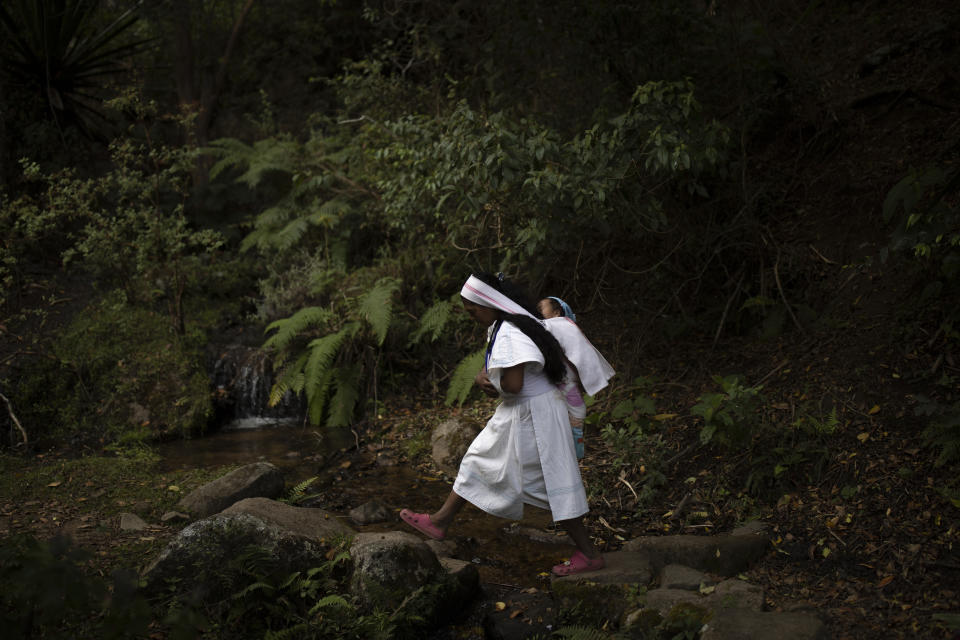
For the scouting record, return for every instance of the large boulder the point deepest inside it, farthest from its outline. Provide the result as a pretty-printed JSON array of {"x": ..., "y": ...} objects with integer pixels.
[
  {"x": 308, "y": 522},
  {"x": 204, "y": 558},
  {"x": 398, "y": 572},
  {"x": 450, "y": 441},
  {"x": 257, "y": 480}
]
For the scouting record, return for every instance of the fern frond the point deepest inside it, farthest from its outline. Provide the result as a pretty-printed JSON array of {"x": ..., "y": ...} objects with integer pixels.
[
  {"x": 323, "y": 351},
  {"x": 376, "y": 306},
  {"x": 326, "y": 601},
  {"x": 290, "y": 379},
  {"x": 296, "y": 495},
  {"x": 581, "y": 633},
  {"x": 330, "y": 212},
  {"x": 288, "y": 328},
  {"x": 318, "y": 391},
  {"x": 462, "y": 381},
  {"x": 433, "y": 321},
  {"x": 344, "y": 402},
  {"x": 263, "y": 156}
]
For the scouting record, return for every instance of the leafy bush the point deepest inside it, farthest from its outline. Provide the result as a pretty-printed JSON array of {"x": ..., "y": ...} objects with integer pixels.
[
  {"x": 116, "y": 369},
  {"x": 729, "y": 416}
]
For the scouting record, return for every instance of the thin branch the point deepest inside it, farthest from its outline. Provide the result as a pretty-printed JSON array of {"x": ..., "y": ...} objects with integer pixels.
[{"x": 23, "y": 432}]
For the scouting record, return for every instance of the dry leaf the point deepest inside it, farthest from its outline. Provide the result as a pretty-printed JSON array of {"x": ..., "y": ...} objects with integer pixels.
[
  {"x": 874, "y": 409},
  {"x": 660, "y": 417},
  {"x": 884, "y": 582},
  {"x": 515, "y": 613},
  {"x": 500, "y": 606},
  {"x": 57, "y": 483},
  {"x": 863, "y": 437}
]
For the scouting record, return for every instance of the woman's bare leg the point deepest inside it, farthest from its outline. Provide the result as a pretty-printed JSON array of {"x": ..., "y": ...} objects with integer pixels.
[
  {"x": 581, "y": 538},
  {"x": 443, "y": 518}
]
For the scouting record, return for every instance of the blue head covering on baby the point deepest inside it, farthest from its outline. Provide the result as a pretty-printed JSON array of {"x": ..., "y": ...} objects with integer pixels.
[{"x": 567, "y": 311}]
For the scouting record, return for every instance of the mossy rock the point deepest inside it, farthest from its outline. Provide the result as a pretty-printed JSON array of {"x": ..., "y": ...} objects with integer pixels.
[{"x": 592, "y": 604}]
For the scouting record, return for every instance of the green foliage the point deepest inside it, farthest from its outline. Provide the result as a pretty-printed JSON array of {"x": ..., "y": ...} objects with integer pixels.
[
  {"x": 943, "y": 429},
  {"x": 784, "y": 457},
  {"x": 492, "y": 180},
  {"x": 461, "y": 382},
  {"x": 127, "y": 227},
  {"x": 729, "y": 416},
  {"x": 927, "y": 222},
  {"x": 45, "y": 592},
  {"x": 116, "y": 369},
  {"x": 327, "y": 368},
  {"x": 434, "y": 320},
  {"x": 304, "y": 604}
]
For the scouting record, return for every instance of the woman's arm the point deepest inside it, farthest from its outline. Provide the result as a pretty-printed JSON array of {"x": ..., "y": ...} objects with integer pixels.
[{"x": 511, "y": 380}]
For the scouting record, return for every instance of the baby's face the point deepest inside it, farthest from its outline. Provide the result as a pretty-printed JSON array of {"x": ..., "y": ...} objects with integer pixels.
[{"x": 548, "y": 308}]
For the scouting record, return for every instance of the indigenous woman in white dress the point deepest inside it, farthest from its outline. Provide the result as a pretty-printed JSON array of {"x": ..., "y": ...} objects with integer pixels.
[{"x": 525, "y": 453}]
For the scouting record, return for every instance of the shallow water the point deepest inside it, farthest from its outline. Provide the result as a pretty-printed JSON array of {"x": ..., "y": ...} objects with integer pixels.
[{"x": 502, "y": 555}]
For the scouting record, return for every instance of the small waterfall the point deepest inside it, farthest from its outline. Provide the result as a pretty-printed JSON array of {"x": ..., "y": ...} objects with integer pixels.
[{"x": 242, "y": 378}]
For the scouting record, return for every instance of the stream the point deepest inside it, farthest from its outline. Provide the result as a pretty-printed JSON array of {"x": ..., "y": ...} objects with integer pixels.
[{"x": 504, "y": 552}]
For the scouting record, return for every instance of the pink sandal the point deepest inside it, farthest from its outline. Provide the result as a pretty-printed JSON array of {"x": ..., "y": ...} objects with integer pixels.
[
  {"x": 578, "y": 563},
  {"x": 421, "y": 522}
]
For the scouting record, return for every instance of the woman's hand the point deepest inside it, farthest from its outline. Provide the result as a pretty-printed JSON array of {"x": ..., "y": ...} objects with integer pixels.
[{"x": 483, "y": 381}]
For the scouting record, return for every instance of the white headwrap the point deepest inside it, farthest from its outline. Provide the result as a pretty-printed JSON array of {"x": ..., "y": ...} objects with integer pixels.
[{"x": 479, "y": 292}]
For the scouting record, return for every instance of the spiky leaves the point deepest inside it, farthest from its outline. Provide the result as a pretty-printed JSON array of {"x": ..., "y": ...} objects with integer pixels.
[{"x": 53, "y": 48}]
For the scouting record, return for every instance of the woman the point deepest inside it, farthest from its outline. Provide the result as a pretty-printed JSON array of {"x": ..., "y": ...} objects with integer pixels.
[{"x": 525, "y": 454}]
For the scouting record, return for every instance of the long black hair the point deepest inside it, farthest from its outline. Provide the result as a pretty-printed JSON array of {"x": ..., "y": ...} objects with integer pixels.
[{"x": 554, "y": 360}]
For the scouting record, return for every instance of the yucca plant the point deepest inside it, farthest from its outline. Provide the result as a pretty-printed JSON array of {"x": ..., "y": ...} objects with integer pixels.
[{"x": 56, "y": 50}]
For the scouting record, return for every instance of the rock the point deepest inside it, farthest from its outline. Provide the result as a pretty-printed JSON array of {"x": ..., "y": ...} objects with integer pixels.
[
  {"x": 315, "y": 524},
  {"x": 729, "y": 594},
  {"x": 398, "y": 572},
  {"x": 442, "y": 548},
  {"x": 131, "y": 522},
  {"x": 260, "y": 479},
  {"x": 741, "y": 624},
  {"x": 389, "y": 566},
  {"x": 370, "y": 512},
  {"x": 724, "y": 555},
  {"x": 622, "y": 567},
  {"x": 204, "y": 559},
  {"x": 450, "y": 440},
  {"x": 675, "y": 576},
  {"x": 173, "y": 515}
]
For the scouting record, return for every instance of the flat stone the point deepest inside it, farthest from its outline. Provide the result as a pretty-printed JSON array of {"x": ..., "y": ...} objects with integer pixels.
[
  {"x": 131, "y": 522},
  {"x": 173, "y": 515},
  {"x": 676, "y": 576},
  {"x": 256, "y": 480},
  {"x": 723, "y": 555},
  {"x": 313, "y": 523},
  {"x": 622, "y": 567},
  {"x": 743, "y": 624}
]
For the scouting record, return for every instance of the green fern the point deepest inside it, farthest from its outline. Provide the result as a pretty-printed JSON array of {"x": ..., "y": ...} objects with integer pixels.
[
  {"x": 263, "y": 156},
  {"x": 462, "y": 381},
  {"x": 344, "y": 402},
  {"x": 328, "y": 601},
  {"x": 582, "y": 633},
  {"x": 296, "y": 495},
  {"x": 288, "y": 328},
  {"x": 376, "y": 306},
  {"x": 433, "y": 321}
]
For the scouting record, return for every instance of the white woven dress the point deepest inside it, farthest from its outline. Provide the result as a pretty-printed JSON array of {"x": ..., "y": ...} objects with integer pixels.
[{"x": 525, "y": 454}]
